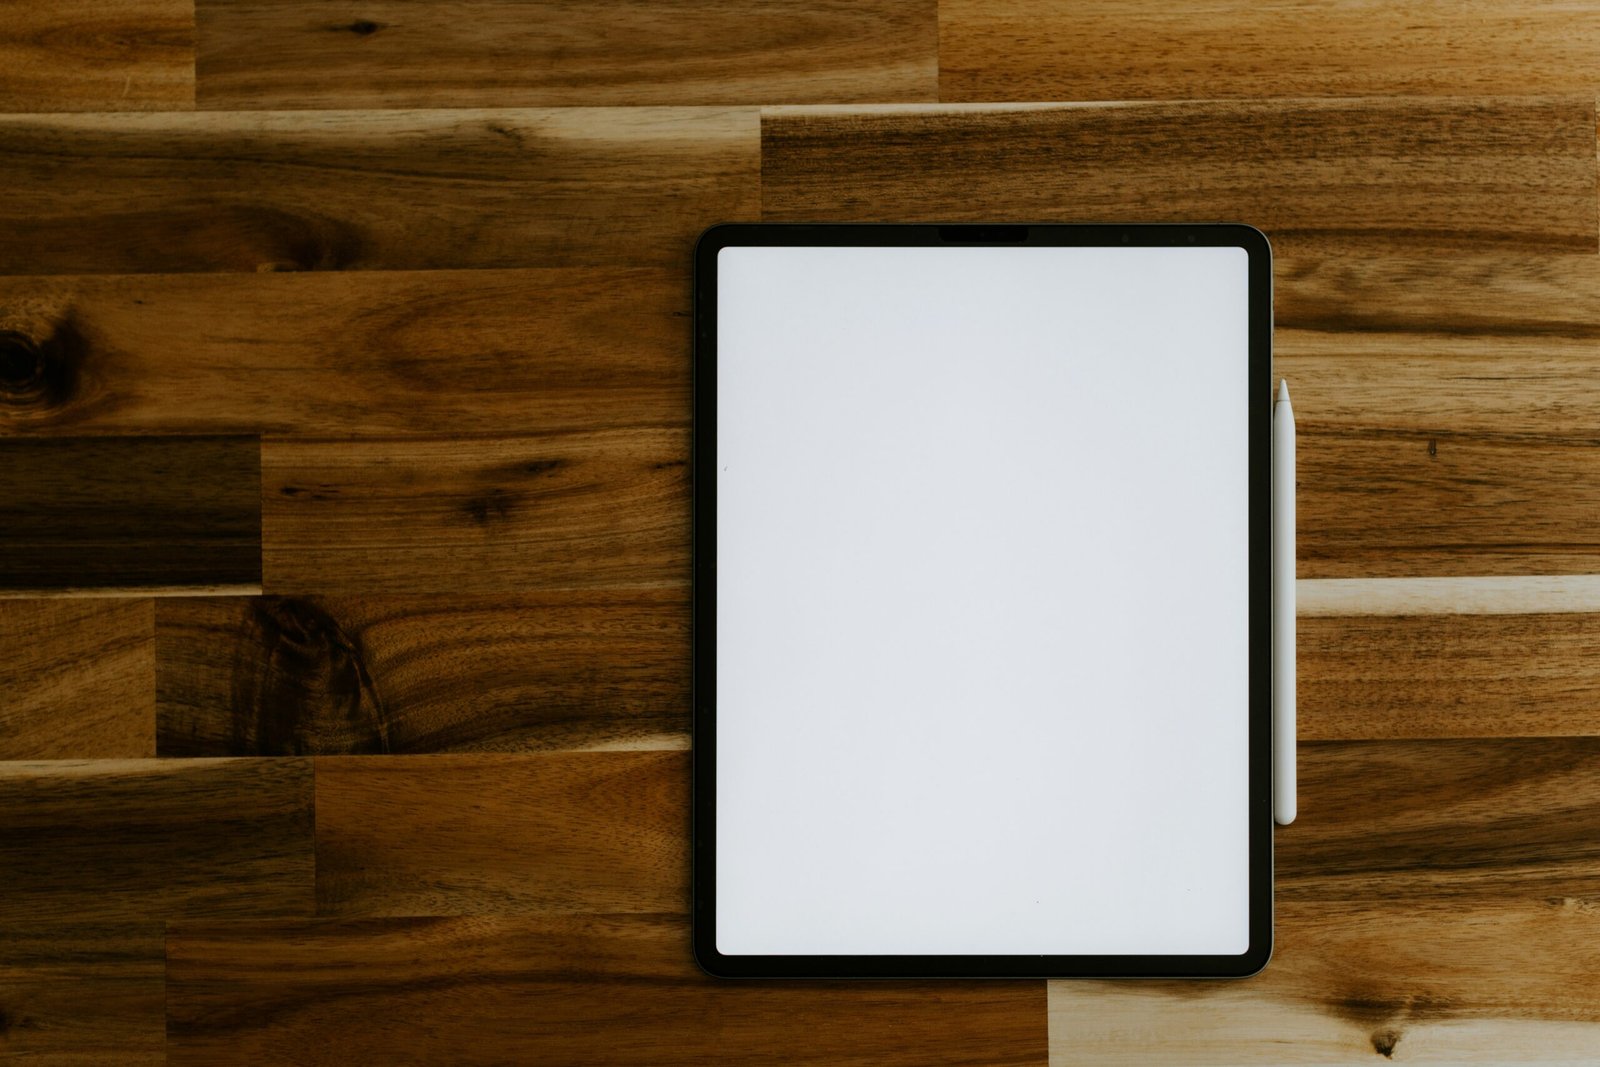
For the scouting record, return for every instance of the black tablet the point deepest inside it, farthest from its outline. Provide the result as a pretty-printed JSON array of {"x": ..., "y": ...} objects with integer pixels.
[{"x": 982, "y": 678}]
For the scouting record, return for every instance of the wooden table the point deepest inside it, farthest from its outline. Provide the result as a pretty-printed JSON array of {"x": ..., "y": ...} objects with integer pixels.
[{"x": 344, "y": 512}]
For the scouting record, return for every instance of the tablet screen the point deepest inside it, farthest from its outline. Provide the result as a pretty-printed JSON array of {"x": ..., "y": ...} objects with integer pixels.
[{"x": 981, "y": 647}]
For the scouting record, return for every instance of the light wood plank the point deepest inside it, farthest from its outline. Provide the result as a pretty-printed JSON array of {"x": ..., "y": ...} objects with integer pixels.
[
  {"x": 351, "y": 351},
  {"x": 1314, "y": 174},
  {"x": 127, "y": 513},
  {"x": 1465, "y": 595},
  {"x": 77, "y": 679},
  {"x": 273, "y": 676},
  {"x": 495, "y": 53},
  {"x": 1120, "y": 50},
  {"x": 556, "y": 990},
  {"x": 339, "y": 190},
  {"x": 1360, "y": 982},
  {"x": 96, "y": 55},
  {"x": 552, "y": 832},
  {"x": 1416, "y": 821},
  {"x": 82, "y": 993},
  {"x": 1449, "y": 676},
  {"x": 562, "y": 511},
  {"x": 130, "y": 840}
]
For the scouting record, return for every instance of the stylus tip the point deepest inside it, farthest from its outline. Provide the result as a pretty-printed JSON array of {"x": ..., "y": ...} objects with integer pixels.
[{"x": 1283, "y": 390}]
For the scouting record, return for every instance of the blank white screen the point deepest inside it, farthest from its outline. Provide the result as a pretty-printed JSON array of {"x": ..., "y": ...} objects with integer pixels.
[{"x": 982, "y": 601}]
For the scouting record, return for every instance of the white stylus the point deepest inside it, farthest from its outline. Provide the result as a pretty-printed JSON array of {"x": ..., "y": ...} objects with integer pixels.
[{"x": 1283, "y": 724}]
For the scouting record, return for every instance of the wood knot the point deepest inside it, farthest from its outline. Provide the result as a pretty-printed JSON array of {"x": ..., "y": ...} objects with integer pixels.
[
  {"x": 38, "y": 374},
  {"x": 364, "y": 27},
  {"x": 301, "y": 685},
  {"x": 1384, "y": 1041}
]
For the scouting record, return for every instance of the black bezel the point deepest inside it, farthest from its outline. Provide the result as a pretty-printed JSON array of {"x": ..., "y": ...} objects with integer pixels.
[{"x": 1258, "y": 384}]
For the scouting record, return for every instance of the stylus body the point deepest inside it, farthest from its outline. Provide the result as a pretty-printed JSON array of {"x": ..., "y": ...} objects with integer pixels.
[{"x": 1283, "y": 610}]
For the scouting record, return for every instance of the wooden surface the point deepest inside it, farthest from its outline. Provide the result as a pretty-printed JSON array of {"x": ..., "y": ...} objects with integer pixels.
[{"x": 344, "y": 528}]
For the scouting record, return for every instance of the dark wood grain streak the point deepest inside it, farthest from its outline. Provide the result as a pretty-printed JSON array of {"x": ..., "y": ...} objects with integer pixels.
[
  {"x": 1366, "y": 981},
  {"x": 1122, "y": 50},
  {"x": 489, "y": 834},
  {"x": 1314, "y": 174},
  {"x": 393, "y": 54},
  {"x": 82, "y": 993},
  {"x": 489, "y": 515},
  {"x": 576, "y": 989},
  {"x": 328, "y": 676},
  {"x": 132, "y": 840},
  {"x": 357, "y": 352},
  {"x": 96, "y": 55},
  {"x": 1487, "y": 820},
  {"x": 130, "y": 513},
  {"x": 1448, "y": 676},
  {"x": 77, "y": 679},
  {"x": 263, "y": 191}
]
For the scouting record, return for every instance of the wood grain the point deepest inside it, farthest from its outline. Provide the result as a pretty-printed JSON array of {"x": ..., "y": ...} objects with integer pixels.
[
  {"x": 1382, "y": 502},
  {"x": 357, "y": 352},
  {"x": 491, "y": 515},
  {"x": 494, "y": 53},
  {"x": 339, "y": 190},
  {"x": 82, "y": 993},
  {"x": 555, "y": 990},
  {"x": 77, "y": 679},
  {"x": 1122, "y": 50},
  {"x": 1498, "y": 982},
  {"x": 130, "y": 514},
  {"x": 1416, "y": 821},
  {"x": 132, "y": 840},
  {"x": 280, "y": 675},
  {"x": 1449, "y": 676},
  {"x": 1459, "y": 595},
  {"x": 1507, "y": 293},
  {"x": 96, "y": 55},
  {"x": 1394, "y": 174},
  {"x": 527, "y": 834},
  {"x": 1443, "y": 403}
]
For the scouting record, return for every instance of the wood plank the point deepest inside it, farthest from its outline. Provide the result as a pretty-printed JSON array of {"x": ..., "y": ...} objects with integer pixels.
[
  {"x": 1505, "y": 293},
  {"x": 1460, "y": 595},
  {"x": 82, "y": 993},
  {"x": 560, "y": 511},
  {"x": 359, "y": 352},
  {"x": 130, "y": 514},
  {"x": 490, "y": 834},
  {"x": 491, "y": 53},
  {"x": 1423, "y": 503},
  {"x": 1409, "y": 821},
  {"x": 1449, "y": 676},
  {"x": 1442, "y": 402},
  {"x": 130, "y": 840},
  {"x": 555, "y": 990},
  {"x": 1421, "y": 451},
  {"x": 1120, "y": 50},
  {"x": 96, "y": 55},
  {"x": 1498, "y": 982},
  {"x": 327, "y": 676},
  {"x": 341, "y": 190},
  {"x": 77, "y": 679},
  {"x": 1429, "y": 174}
]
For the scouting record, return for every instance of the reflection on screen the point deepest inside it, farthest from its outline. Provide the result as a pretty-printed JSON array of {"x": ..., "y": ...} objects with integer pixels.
[{"x": 982, "y": 601}]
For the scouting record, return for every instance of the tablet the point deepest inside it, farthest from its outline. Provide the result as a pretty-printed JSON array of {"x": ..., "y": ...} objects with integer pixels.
[{"x": 981, "y": 583}]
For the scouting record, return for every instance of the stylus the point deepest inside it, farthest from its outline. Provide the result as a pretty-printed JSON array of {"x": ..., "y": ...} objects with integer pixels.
[{"x": 1283, "y": 720}]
